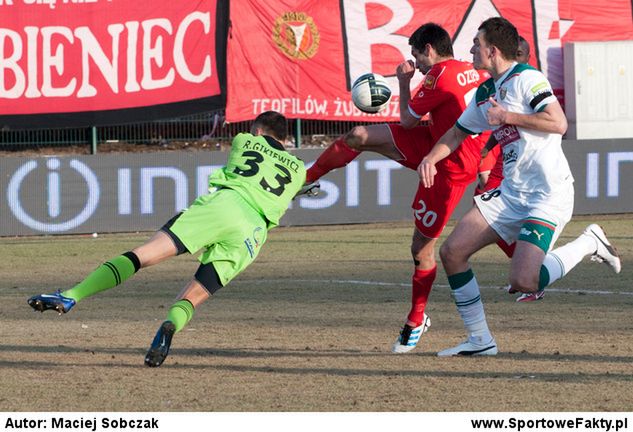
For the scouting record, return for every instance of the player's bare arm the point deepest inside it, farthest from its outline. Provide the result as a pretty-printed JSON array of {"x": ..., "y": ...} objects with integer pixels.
[
  {"x": 444, "y": 147},
  {"x": 405, "y": 72},
  {"x": 552, "y": 119}
]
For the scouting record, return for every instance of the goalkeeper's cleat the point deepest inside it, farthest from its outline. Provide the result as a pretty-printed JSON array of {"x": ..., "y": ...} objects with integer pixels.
[
  {"x": 309, "y": 189},
  {"x": 159, "y": 349},
  {"x": 469, "y": 348},
  {"x": 530, "y": 297},
  {"x": 605, "y": 253},
  {"x": 409, "y": 336},
  {"x": 54, "y": 301}
]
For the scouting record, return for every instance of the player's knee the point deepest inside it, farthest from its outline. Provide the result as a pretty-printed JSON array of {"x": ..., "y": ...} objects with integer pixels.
[
  {"x": 451, "y": 254},
  {"x": 208, "y": 277},
  {"x": 356, "y": 138},
  {"x": 524, "y": 283},
  {"x": 423, "y": 257}
]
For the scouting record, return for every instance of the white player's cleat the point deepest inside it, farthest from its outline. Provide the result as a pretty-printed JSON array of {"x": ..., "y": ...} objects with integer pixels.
[
  {"x": 605, "y": 253},
  {"x": 469, "y": 348},
  {"x": 409, "y": 336}
]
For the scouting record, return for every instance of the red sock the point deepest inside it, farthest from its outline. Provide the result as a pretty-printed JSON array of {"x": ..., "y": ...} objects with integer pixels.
[
  {"x": 421, "y": 287},
  {"x": 508, "y": 249},
  {"x": 337, "y": 155}
]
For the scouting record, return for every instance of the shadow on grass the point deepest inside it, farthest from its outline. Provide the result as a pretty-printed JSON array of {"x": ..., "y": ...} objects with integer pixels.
[
  {"x": 188, "y": 358},
  {"x": 176, "y": 364}
]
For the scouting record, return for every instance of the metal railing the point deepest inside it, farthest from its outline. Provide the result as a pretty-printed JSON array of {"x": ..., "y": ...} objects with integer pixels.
[{"x": 203, "y": 127}]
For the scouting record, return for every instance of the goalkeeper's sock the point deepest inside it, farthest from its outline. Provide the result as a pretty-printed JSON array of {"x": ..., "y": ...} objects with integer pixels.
[
  {"x": 108, "y": 275},
  {"x": 180, "y": 314},
  {"x": 337, "y": 155},
  {"x": 421, "y": 285}
]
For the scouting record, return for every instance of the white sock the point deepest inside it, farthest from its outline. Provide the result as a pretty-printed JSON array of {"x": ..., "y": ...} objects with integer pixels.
[
  {"x": 469, "y": 305},
  {"x": 561, "y": 260}
]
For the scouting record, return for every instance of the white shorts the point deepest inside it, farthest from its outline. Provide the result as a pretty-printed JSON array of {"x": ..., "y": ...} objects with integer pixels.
[{"x": 506, "y": 213}]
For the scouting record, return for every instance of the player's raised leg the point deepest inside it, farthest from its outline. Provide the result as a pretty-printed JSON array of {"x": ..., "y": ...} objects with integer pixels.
[
  {"x": 375, "y": 138},
  {"x": 108, "y": 275},
  {"x": 560, "y": 261}
]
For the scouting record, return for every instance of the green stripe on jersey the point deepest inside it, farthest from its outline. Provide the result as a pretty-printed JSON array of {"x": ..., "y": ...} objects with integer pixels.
[
  {"x": 520, "y": 67},
  {"x": 485, "y": 90},
  {"x": 463, "y": 129}
]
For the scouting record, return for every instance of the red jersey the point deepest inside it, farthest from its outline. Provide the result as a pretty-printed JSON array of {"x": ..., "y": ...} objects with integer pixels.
[{"x": 445, "y": 92}]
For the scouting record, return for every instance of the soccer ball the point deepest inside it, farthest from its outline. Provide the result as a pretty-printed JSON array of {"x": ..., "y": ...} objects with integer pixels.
[{"x": 371, "y": 93}]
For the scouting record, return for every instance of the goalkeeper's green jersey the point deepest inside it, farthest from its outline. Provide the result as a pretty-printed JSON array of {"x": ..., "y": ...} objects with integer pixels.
[{"x": 263, "y": 173}]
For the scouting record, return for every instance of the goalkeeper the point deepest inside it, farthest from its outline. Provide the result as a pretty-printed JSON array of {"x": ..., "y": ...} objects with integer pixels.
[{"x": 230, "y": 224}]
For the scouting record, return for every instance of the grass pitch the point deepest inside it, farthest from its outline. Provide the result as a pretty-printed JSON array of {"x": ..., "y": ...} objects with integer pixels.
[{"x": 309, "y": 327}]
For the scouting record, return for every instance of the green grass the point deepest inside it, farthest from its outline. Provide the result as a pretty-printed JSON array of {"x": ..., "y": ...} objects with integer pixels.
[{"x": 308, "y": 327}]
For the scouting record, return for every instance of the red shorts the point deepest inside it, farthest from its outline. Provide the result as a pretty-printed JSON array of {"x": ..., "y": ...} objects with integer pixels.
[
  {"x": 433, "y": 207},
  {"x": 413, "y": 143}
]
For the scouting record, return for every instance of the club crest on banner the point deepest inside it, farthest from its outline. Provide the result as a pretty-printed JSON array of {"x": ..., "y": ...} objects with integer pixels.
[{"x": 296, "y": 35}]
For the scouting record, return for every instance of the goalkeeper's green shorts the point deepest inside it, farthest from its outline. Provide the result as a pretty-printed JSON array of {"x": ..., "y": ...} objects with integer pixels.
[{"x": 225, "y": 227}]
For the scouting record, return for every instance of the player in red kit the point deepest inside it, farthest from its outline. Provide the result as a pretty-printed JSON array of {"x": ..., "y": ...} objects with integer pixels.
[{"x": 448, "y": 86}]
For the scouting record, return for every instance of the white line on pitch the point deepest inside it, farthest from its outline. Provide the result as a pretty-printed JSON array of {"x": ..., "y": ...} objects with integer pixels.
[{"x": 400, "y": 284}]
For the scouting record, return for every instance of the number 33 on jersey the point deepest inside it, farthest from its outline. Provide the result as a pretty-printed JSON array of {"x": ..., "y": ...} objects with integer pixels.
[{"x": 261, "y": 170}]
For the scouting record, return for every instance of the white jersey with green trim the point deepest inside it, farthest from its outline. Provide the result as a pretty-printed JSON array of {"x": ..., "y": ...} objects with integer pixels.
[{"x": 533, "y": 161}]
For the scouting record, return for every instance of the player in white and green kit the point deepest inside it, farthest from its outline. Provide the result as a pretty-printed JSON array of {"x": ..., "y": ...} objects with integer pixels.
[
  {"x": 230, "y": 224},
  {"x": 536, "y": 197}
]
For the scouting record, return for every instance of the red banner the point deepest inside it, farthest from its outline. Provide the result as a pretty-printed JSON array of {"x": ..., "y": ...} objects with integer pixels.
[
  {"x": 92, "y": 62},
  {"x": 61, "y": 56},
  {"x": 299, "y": 57}
]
